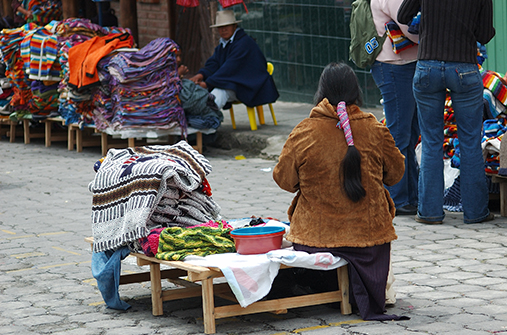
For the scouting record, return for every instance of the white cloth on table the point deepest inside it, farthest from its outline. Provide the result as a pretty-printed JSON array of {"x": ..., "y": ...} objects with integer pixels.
[{"x": 251, "y": 276}]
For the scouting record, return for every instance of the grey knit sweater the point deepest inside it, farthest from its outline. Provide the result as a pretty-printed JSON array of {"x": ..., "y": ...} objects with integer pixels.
[{"x": 449, "y": 29}]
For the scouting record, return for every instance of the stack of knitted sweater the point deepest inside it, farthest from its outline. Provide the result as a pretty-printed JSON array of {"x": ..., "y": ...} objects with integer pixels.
[
  {"x": 138, "y": 189},
  {"x": 76, "y": 102},
  {"x": 10, "y": 40},
  {"x": 145, "y": 86}
]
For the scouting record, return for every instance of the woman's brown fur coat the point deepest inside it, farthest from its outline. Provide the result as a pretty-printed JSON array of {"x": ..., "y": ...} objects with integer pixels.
[{"x": 321, "y": 215}]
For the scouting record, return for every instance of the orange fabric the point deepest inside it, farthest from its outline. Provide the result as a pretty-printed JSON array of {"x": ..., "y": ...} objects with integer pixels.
[{"x": 84, "y": 57}]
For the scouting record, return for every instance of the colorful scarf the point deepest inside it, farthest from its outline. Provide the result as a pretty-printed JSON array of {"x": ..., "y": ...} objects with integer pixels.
[{"x": 398, "y": 39}]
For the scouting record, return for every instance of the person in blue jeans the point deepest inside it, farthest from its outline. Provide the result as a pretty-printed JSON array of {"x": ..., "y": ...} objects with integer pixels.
[
  {"x": 447, "y": 61},
  {"x": 393, "y": 73}
]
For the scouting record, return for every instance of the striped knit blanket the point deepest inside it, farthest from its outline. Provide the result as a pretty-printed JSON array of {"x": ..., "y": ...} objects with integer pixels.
[{"x": 129, "y": 185}]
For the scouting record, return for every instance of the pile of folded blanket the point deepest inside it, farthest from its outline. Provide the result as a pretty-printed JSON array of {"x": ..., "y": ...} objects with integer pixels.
[
  {"x": 145, "y": 87},
  {"x": 133, "y": 185}
]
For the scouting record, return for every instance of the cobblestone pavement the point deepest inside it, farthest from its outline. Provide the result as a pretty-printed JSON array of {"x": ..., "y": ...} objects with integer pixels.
[{"x": 450, "y": 278}]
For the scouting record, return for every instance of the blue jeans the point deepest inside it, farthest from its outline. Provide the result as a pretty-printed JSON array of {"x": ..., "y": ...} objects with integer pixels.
[
  {"x": 431, "y": 80},
  {"x": 395, "y": 84}
]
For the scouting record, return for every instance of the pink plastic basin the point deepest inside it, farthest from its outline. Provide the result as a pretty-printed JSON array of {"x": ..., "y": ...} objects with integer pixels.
[{"x": 257, "y": 240}]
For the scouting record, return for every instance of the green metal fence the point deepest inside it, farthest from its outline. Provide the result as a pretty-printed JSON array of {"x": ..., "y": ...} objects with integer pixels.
[
  {"x": 497, "y": 51},
  {"x": 300, "y": 39}
]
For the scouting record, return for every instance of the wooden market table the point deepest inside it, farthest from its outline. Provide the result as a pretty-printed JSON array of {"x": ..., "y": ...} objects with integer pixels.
[
  {"x": 48, "y": 134},
  {"x": 208, "y": 289},
  {"x": 11, "y": 131}
]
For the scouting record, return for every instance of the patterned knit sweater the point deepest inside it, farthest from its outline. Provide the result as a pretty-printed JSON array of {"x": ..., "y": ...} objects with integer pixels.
[{"x": 130, "y": 184}]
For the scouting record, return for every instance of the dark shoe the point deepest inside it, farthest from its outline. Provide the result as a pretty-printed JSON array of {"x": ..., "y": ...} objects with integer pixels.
[
  {"x": 406, "y": 210},
  {"x": 490, "y": 217},
  {"x": 421, "y": 220}
]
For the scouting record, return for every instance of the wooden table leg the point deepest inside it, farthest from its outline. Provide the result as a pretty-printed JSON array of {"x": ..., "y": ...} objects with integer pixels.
[
  {"x": 47, "y": 132},
  {"x": 12, "y": 134},
  {"x": 131, "y": 142},
  {"x": 70, "y": 137},
  {"x": 26, "y": 130},
  {"x": 208, "y": 306},
  {"x": 198, "y": 141},
  {"x": 103, "y": 143},
  {"x": 156, "y": 290},
  {"x": 343, "y": 285},
  {"x": 79, "y": 140}
]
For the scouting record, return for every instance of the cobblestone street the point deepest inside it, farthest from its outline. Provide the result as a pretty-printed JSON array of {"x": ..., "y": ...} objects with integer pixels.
[{"x": 450, "y": 278}]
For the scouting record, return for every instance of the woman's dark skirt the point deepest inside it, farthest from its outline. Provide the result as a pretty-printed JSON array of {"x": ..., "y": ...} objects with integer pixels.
[{"x": 368, "y": 270}]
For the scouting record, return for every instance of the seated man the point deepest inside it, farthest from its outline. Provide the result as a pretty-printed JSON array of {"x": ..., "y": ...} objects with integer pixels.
[{"x": 237, "y": 70}]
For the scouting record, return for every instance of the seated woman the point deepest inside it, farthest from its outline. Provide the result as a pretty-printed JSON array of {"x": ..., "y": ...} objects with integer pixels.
[{"x": 338, "y": 160}]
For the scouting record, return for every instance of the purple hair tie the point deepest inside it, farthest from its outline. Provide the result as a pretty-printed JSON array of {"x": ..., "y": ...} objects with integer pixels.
[{"x": 341, "y": 111}]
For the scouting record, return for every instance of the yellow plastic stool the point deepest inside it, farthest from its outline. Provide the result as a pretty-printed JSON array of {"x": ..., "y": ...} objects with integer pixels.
[{"x": 251, "y": 111}]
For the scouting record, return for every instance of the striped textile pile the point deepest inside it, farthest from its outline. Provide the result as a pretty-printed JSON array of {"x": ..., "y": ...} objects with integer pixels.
[
  {"x": 130, "y": 184},
  {"x": 493, "y": 82},
  {"x": 144, "y": 88}
]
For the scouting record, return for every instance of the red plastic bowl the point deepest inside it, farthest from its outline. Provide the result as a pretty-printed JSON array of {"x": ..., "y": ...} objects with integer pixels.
[{"x": 257, "y": 240}]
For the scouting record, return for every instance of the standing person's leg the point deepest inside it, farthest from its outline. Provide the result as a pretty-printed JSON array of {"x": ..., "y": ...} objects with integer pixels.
[
  {"x": 467, "y": 88},
  {"x": 395, "y": 84},
  {"x": 429, "y": 91}
]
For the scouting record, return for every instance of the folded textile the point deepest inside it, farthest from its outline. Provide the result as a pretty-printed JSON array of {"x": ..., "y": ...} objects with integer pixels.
[
  {"x": 129, "y": 184},
  {"x": 144, "y": 88},
  {"x": 452, "y": 197},
  {"x": 251, "y": 276},
  {"x": 493, "y": 81},
  {"x": 495, "y": 107},
  {"x": 176, "y": 242}
]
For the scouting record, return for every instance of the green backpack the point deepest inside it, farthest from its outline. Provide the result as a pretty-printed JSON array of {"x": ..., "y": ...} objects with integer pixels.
[{"x": 365, "y": 43}]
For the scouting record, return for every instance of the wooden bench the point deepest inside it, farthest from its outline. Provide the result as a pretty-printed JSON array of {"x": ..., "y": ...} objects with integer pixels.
[
  {"x": 11, "y": 131},
  {"x": 48, "y": 134},
  {"x": 207, "y": 290}
]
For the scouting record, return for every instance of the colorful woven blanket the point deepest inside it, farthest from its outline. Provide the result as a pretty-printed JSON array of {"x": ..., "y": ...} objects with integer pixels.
[
  {"x": 176, "y": 243},
  {"x": 131, "y": 182}
]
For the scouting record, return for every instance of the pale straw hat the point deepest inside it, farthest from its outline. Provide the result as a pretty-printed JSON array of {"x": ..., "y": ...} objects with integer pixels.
[{"x": 225, "y": 18}]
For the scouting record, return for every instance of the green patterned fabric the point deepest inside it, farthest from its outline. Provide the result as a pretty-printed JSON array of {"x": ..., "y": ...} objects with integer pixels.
[{"x": 176, "y": 242}]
